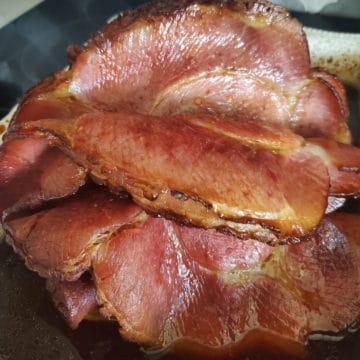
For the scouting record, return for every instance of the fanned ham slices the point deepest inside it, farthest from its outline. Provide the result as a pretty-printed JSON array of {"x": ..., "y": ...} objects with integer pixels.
[
  {"x": 165, "y": 283},
  {"x": 175, "y": 178}
]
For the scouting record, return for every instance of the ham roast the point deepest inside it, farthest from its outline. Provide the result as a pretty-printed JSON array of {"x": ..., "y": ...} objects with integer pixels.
[{"x": 176, "y": 178}]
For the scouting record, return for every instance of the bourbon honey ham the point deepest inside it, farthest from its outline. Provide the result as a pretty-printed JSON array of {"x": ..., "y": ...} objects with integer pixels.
[
  {"x": 225, "y": 176},
  {"x": 176, "y": 178},
  {"x": 155, "y": 279}
]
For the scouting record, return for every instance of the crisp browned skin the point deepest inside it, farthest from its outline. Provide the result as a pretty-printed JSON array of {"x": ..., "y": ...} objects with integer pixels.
[
  {"x": 173, "y": 302},
  {"x": 187, "y": 67},
  {"x": 59, "y": 242}
]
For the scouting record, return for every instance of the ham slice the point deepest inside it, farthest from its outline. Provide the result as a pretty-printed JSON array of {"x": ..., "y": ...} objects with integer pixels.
[
  {"x": 74, "y": 299},
  {"x": 209, "y": 171},
  {"x": 257, "y": 48},
  {"x": 173, "y": 303},
  {"x": 32, "y": 173},
  {"x": 186, "y": 137},
  {"x": 78, "y": 225}
]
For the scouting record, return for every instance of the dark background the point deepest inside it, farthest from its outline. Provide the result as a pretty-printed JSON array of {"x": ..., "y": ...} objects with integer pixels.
[{"x": 32, "y": 47}]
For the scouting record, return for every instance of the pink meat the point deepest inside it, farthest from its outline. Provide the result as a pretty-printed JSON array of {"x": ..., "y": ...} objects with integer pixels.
[
  {"x": 32, "y": 173},
  {"x": 268, "y": 189},
  {"x": 164, "y": 299},
  {"x": 188, "y": 67},
  {"x": 74, "y": 299},
  {"x": 59, "y": 241}
]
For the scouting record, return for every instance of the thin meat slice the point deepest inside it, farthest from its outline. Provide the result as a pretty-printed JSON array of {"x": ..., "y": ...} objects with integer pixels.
[
  {"x": 60, "y": 241},
  {"x": 318, "y": 109},
  {"x": 320, "y": 106},
  {"x": 257, "y": 48},
  {"x": 204, "y": 170},
  {"x": 74, "y": 299},
  {"x": 327, "y": 267},
  {"x": 164, "y": 300},
  {"x": 49, "y": 99},
  {"x": 344, "y": 166},
  {"x": 32, "y": 173}
]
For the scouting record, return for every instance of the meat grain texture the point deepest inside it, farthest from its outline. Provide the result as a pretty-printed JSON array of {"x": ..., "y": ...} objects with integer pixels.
[{"x": 176, "y": 178}]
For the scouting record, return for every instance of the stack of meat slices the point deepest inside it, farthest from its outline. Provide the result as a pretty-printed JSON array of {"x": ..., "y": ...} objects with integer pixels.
[{"x": 177, "y": 178}]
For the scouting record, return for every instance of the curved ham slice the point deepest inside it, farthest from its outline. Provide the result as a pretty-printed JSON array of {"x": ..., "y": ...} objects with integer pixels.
[
  {"x": 49, "y": 99},
  {"x": 78, "y": 225},
  {"x": 208, "y": 171},
  {"x": 164, "y": 299},
  {"x": 257, "y": 48},
  {"x": 74, "y": 299},
  {"x": 344, "y": 166},
  {"x": 32, "y": 173}
]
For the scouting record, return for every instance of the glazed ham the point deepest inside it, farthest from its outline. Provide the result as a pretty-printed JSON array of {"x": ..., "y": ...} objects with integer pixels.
[
  {"x": 225, "y": 176},
  {"x": 188, "y": 66},
  {"x": 78, "y": 225},
  {"x": 210, "y": 139},
  {"x": 175, "y": 302},
  {"x": 104, "y": 76},
  {"x": 155, "y": 279},
  {"x": 32, "y": 173}
]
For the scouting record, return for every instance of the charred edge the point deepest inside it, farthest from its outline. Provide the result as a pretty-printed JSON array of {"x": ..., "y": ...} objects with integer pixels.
[
  {"x": 198, "y": 199},
  {"x": 269, "y": 240},
  {"x": 170, "y": 215}
]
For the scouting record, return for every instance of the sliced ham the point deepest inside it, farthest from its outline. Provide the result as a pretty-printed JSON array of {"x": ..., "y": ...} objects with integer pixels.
[
  {"x": 207, "y": 113},
  {"x": 74, "y": 299},
  {"x": 209, "y": 171},
  {"x": 189, "y": 290},
  {"x": 59, "y": 241},
  {"x": 164, "y": 299},
  {"x": 257, "y": 48},
  {"x": 32, "y": 173}
]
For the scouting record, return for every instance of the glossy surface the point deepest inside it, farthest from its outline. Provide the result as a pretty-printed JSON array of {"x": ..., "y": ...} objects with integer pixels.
[
  {"x": 231, "y": 64},
  {"x": 78, "y": 225},
  {"x": 23, "y": 308},
  {"x": 173, "y": 301},
  {"x": 224, "y": 178}
]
